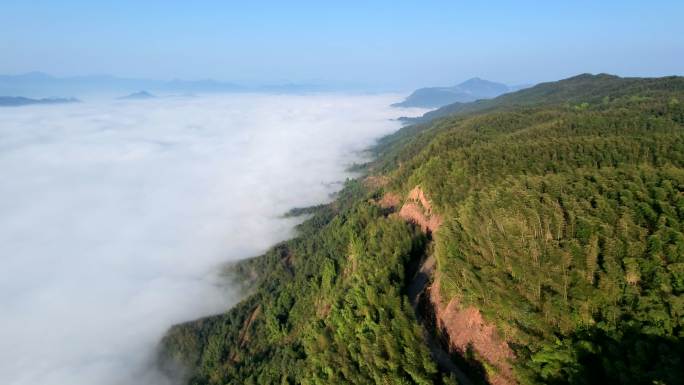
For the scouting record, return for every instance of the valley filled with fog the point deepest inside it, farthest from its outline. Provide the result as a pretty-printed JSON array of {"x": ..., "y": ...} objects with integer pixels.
[{"x": 117, "y": 215}]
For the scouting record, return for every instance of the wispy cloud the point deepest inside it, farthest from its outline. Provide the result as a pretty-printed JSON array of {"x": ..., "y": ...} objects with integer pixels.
[{"x": 115, "y": 216}]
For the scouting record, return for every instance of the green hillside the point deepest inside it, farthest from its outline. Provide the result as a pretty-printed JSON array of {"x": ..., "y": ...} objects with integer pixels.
[
  {"x": 578, "y": 89},
  {"x": 554, "y": 216}
]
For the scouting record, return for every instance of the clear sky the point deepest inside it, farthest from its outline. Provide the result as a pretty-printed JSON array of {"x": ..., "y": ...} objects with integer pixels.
[{"x": 396, "y": 43}]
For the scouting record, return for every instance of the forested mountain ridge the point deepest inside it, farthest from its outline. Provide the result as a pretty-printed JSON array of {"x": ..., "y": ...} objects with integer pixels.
[
  {"x": 556, "y": 227},
  {"x": 578, "y": 89}
]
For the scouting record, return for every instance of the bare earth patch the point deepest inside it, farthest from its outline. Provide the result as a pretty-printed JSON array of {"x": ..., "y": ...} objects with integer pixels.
[
  {"x": 389, "y": 201},
  {"x": 419, "y": 196},
  {"x": 244, "y": 336},
  {"x": 466, "y": 328},
  {"x": 418, "y": 210}
]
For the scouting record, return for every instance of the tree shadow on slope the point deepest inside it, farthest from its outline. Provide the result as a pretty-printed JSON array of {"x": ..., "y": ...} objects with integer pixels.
[
  {"x": 596, "y": 356},
  {"x": 463, "y": 369}
]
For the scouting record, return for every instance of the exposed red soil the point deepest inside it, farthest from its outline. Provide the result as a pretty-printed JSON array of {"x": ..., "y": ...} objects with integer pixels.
[
  {"x": 466, "y": 328},
  {"x": 412, "y": 212},
  {"x": 418, "y": 210},
  {"x": 418, "y": 195},
  {"x": 389, "y": 201}
]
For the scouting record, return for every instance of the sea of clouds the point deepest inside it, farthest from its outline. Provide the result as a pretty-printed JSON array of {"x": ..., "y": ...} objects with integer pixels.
[{"x": 116, "y": 215}]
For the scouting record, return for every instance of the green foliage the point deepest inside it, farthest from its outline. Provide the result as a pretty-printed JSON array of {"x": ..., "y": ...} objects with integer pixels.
[
  {"x": 331, "y": 311},
  {"x": 563, "y": 210},
  {"x": 564, "y": 225}
]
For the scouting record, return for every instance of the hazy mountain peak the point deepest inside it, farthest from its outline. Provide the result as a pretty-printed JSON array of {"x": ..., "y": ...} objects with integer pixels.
[
  {"x": 577, "y": 89},
  {"x": 470, "y": 90},
  {"x": 484, "y": 87},
  {"x": 138, "y": 95},
  {"x": 473, "y": 81}
]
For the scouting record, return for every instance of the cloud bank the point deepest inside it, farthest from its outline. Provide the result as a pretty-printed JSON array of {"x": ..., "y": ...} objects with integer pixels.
[{"x": 115, "y": 216}]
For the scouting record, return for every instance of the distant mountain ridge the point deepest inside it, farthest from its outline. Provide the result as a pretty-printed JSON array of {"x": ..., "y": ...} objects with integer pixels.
[
  {"x": 39, "y": 84},
  {"x": 581, "y": 88},
  {"x": 534, "y": 238},
  {"x": 470, "y": 90},
  {"x": 16, "y": 101},
  {"x": 140, "y": 95}
]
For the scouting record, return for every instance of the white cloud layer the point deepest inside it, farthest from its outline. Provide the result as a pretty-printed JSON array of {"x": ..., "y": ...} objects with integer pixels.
[{"x": 116, "y": 215}]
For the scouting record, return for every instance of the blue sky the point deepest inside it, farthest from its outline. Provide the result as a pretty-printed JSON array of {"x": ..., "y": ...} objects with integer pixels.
[{"x": 398, "y": 44}]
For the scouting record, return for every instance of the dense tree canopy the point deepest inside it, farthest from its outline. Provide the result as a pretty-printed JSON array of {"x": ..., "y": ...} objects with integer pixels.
[{"x": 563, "y": 210}]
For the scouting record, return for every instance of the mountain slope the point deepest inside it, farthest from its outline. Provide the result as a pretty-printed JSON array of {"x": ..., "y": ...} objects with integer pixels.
[
  {"x": 468, "y": 91},
  {"x": 581, "y": 88},
  {"x": 538, "y": 238}
]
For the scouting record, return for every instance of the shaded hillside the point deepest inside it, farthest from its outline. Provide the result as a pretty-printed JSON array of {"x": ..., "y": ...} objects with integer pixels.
[
  {"x": 468, "y": 91},
  {"x": 554, "y": 217}
]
